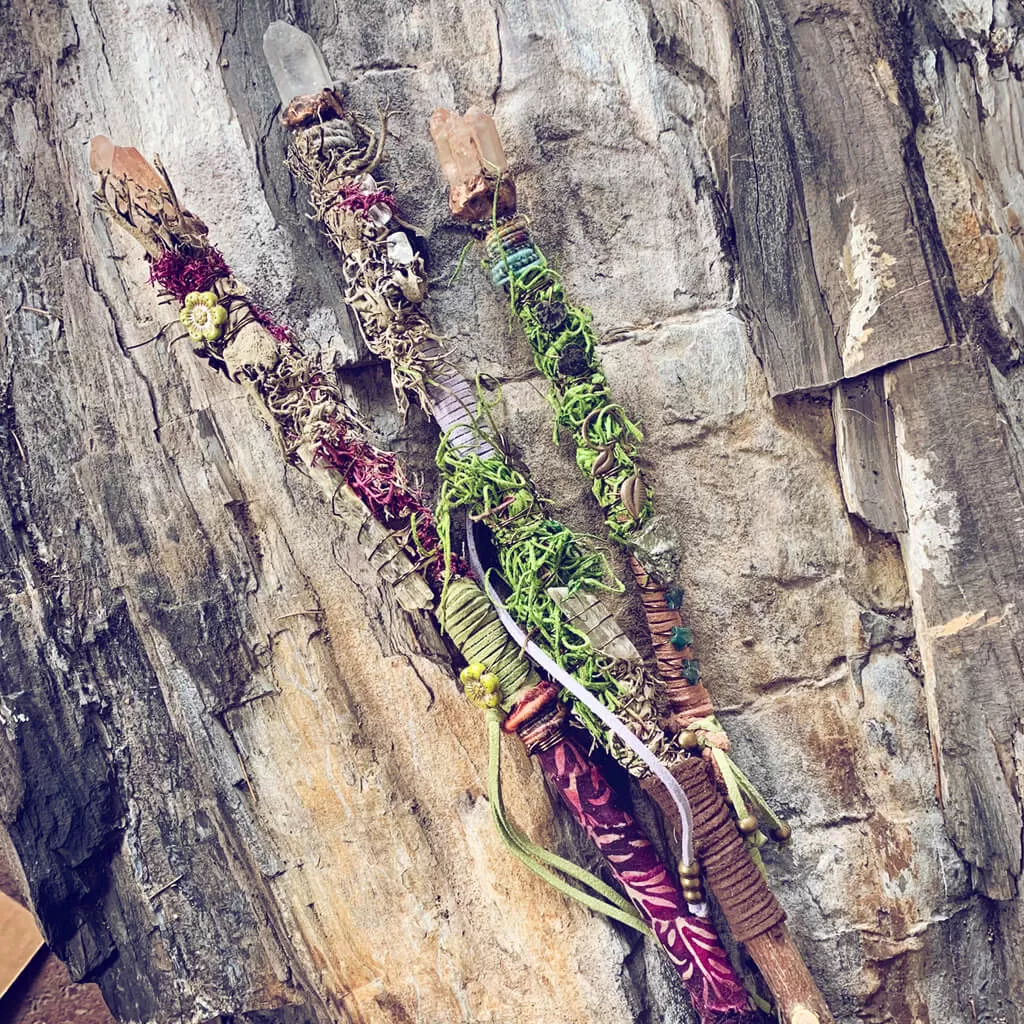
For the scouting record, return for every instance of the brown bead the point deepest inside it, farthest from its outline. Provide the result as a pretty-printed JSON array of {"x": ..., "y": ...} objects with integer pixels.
[
  {"x": 782, "y": 833},
  {"x": 689, "y": 740},
  {"x": 691, "y": 870},
  {"x": 747, "y": 825}
]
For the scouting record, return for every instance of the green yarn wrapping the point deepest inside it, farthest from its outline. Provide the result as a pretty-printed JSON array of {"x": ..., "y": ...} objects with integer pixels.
[
  {"x": 534, "y": 553},
  {"x": 565, "y": 351},
  {"x": 469, "y": 618}
]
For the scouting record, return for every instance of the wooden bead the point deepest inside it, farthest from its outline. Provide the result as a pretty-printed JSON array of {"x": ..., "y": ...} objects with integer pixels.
[
  {"x": 782, "y": 833},
  {"x": 802, "y": 1015},
  {"x": 747, "y": 825},
  {"x": 691, "y": 870}
]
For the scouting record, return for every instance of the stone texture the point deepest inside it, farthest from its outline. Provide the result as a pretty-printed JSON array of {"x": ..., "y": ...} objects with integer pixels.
[{"x": 239, "y": 778}]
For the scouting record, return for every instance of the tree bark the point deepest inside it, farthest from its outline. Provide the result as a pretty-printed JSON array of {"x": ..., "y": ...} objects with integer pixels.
[{"x": 239, "y": 779}]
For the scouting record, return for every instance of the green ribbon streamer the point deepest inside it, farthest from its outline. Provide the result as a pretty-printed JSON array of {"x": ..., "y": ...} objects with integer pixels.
[{"x": 611, "y": 903}]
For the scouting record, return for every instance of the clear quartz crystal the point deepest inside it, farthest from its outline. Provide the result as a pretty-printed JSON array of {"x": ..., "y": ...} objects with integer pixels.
[
  {"x": 399, "y": 248},
  {"x": 368, "y": 184},
  {"x": 379, "y": 214},
  {"x": 295, "y": 62}
]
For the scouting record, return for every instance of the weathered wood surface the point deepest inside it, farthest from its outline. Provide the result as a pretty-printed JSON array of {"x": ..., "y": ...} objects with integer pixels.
[
  {"x": 866, "y": 453},
  {"x": 823, "y": 199},
  {"x": 239, "y": 778},
  {"x": 964, "y": 551}
]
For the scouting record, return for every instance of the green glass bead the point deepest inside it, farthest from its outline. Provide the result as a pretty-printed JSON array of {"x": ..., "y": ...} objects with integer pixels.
[
  {"x": 681, "y": 637},
  {"x": 690, "y": 670},
  {"x": 674, "y": 598}
]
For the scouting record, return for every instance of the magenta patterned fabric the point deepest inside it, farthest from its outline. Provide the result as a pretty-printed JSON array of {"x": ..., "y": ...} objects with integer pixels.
[{"x": 715, "y": 991}]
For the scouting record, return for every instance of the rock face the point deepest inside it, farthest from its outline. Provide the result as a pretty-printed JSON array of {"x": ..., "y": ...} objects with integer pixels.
[{"x": 240, "y": 781}]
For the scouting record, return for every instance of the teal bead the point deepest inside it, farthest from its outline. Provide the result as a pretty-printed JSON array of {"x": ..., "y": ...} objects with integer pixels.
[
  {"x": 690, "y": 669},
  {"x": 681, "y": 637},
  {"x": 674, "y": 598}
]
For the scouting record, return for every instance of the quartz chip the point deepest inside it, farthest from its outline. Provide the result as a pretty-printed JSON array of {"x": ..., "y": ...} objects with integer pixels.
[
  {"x": 400, "y": 249},
  {"x": 295, "y": 62},
  {"x": 379, "y": 214}
]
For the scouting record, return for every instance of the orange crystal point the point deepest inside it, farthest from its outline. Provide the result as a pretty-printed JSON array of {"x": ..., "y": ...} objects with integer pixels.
[
  {"x": 473, "y": 161},
  {"x": 440, "y": 120},
  {"x": 124, "y": 162},
  {"x": 101, "y": 154},
  {"x": 488, "y": 142}
]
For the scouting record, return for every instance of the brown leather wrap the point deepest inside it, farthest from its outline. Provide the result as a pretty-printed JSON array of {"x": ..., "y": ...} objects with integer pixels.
[
  {"x": 684, "y": 701},
  {"x": 732, "y": 876}
]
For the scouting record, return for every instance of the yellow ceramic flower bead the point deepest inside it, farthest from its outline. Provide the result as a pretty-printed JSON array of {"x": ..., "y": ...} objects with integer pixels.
[{"x": 203, "y": 316}]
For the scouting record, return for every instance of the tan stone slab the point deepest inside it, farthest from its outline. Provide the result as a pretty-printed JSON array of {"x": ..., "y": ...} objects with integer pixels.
[{"x": 19, "y": 941}]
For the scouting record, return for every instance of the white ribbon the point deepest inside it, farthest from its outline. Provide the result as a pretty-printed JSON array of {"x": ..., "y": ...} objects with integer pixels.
[{"x": 588, "y": 700}]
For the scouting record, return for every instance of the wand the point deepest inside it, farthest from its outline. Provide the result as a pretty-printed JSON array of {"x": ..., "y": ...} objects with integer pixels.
[{"x": 607, "y": 442}]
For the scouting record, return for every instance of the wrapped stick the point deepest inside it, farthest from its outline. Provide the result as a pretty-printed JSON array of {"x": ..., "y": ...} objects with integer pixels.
[{"x": 607, "y": 450}]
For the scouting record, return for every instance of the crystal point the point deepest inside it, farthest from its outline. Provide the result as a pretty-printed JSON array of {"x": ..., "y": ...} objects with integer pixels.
[
  {"x": 488, "y": 143},
  {"x": 473, "y": 161},
  {"x": 295, "y": 62}
]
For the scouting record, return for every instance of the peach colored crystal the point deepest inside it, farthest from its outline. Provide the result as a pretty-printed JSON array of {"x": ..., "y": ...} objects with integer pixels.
[
  {"x": 123, "y": 162},
  {"x": 473, "y": 161}
]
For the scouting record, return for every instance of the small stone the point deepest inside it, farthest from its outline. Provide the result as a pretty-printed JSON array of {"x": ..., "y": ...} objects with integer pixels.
[
  {"x": 656, "y": 547},
  {"x": 400, "y": 249},
  {"x": 379, "y": 214}
]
